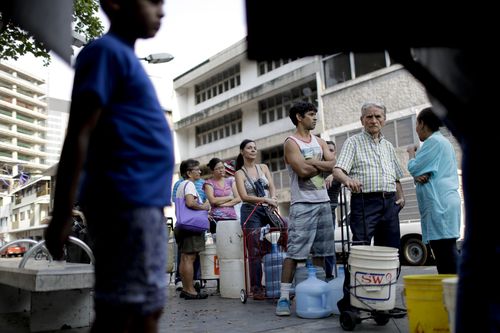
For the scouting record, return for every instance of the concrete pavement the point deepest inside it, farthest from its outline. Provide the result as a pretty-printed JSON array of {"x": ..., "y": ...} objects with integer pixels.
[{"x": 217, "y": 314}]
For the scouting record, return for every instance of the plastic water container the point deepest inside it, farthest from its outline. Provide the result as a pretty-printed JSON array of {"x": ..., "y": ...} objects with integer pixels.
[
  {"x": 232, "y": 277},
  {"x": 373, "y": 276},
  {"x": 450, "y": 299},
  {"x": 301, "y": 274},
  {"x": 312, "y": 297},
  {"x": 335, "y": 290},
  {"x": 273, "y": 264},
  {"x": 209, "y": 263},
  {"x": 425, "y": 304},
  {"x": 229, "y": 240}
]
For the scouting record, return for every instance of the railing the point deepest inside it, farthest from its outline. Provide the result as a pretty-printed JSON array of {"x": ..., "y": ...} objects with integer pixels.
[{"x": 40, "y": 246}]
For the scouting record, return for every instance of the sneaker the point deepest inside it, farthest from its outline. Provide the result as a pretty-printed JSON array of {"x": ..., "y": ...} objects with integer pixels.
[
  {"x": 283, "y": 307},
  {"x": 178, "y": 286}
]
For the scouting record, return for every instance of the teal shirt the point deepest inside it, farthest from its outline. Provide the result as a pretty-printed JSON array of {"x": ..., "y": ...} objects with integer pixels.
[{"x": 439, "y": 202}]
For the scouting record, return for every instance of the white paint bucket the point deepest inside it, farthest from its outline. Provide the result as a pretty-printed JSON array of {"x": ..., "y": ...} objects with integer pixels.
[
  {"x": 209, "y": 263},
  {"x": 373, "y": 277},
  {"x": 229, "y": 240},
  {"x": 232, "y": 277},
  {"x": 450, "y": 298}
]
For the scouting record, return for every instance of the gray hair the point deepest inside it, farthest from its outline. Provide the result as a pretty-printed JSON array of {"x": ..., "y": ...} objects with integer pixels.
[{"x": 368, "y": 105}]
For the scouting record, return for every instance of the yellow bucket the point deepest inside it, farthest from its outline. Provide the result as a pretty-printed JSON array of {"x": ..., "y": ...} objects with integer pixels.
[{"x": 424, "y": 302}]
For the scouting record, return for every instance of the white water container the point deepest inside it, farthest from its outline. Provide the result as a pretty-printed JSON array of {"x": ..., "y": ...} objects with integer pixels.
[
  {"x": 450, "y": 299},
  {"x": 373, "y": 276},
  {"x": 209, "y": 263},
  {"x": 229, "y": 240},
  {"x": 232, "y": 277}
]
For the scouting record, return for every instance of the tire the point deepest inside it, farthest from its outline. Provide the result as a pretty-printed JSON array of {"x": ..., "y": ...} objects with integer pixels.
[
  {"x": 243, "y": 296},
  {"x": 348, "y": 320},
  {"x": 381, "y": 319},
  {"x": 414, "y": 252}
]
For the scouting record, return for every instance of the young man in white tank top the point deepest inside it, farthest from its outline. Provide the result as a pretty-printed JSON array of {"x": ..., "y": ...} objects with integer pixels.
[{"x": 310, "y": 228}]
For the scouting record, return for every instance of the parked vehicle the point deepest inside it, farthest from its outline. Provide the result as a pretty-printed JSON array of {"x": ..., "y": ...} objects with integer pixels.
[{"x": 14, "y": 251}]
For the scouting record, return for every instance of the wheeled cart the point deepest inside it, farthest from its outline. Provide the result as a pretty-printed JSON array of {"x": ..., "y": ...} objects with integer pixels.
[
  {"x": 371, "y": 273},
  {"x": 264, "y": 250}
]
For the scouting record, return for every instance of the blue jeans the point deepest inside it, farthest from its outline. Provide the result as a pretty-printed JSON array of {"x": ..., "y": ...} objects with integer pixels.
[{"x": 331, "y": 261}]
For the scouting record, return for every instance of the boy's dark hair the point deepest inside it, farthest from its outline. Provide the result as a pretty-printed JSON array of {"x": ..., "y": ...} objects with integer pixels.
[
  {"x": 190, "y": 164},
  {"x": 300, "y": 108},
  {"x": 429, "y": 118}
]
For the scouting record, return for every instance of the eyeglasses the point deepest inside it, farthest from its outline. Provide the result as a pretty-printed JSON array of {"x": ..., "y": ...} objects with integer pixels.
[{"x": 195, "y": 170}]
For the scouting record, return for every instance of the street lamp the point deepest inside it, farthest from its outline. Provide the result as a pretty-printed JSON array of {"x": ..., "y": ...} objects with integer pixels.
[{"x": 158, "y": 58}]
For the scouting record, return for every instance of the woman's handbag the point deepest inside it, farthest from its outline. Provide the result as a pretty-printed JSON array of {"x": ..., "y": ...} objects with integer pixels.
[
  {"x": 274, "y": 220},
  {"x": 190, "y": 219}
]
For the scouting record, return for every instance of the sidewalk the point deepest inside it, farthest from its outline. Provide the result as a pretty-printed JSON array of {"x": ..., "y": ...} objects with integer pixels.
[{"x": 217, "y": 314}]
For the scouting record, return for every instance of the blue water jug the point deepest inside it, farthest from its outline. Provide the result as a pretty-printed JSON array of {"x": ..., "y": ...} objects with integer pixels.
[
  {"x": 273, "y": 264},
  {"x": 312, "y": 297},
  {"x": 335, "y": 290}
]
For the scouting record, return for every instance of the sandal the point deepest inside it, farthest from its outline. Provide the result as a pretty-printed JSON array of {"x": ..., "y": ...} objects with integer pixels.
[{"x": 187, "y": 295}]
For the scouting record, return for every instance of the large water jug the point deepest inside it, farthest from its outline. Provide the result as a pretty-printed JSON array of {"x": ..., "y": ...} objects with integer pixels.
[
  {"x": 273, "y": 264},
  {"x": 312, "y": 297},
  {"x": 335, "y": 288}
]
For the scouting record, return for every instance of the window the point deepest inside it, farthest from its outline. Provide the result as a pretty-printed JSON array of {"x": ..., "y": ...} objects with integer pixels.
[
  {"x": 218, "y": 84},
  {"x": 400, "y": 132},
  {"x": 337, "y": 69},
  {"x": 264, "y": 67},
  {"x": 276, "y": 107},
  {"x": 342, "y": 67},
  {"x": 219, "y": 128},
  {"x": 274, "y": 158}
]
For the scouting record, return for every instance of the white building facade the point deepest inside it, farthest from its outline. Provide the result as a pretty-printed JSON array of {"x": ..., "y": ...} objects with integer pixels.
[
  {"x": 229, "y": 98},
  {"x": 23, "y": 115}
]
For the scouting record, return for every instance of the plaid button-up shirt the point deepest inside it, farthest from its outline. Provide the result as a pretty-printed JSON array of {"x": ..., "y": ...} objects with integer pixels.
[{"x": 373, "y": 163}]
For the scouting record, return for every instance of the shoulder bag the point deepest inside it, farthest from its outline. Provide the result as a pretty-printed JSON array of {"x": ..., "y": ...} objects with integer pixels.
[
  {"x": 190, "y": 219},
  {"x": 274, "y": 220}
]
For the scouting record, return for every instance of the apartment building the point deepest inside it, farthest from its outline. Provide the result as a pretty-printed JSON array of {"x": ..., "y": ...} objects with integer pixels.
[
  {"x": 228, "y": 98},
  {"x": 23, "y": 157},
  {"x": 23, "y": 115},
  {"x": 57, "y": 121}
]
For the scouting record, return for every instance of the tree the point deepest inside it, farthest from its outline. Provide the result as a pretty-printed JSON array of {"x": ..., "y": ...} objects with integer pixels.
[{"x": 16, "y": 42}]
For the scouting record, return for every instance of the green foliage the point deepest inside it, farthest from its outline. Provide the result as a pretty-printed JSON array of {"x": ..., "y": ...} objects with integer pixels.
[{"x": 15, "y": 42}]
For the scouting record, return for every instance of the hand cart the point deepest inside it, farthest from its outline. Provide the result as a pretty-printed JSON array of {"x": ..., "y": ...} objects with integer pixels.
[
  {"x": 264, "y": 250},
  {"x": 355, "y": 315}
]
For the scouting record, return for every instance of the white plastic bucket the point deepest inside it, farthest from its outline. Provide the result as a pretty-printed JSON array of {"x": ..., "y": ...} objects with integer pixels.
[
  {"x": 209, "y": 263},
  {"x": 450, "y": 298},
  {"x": 170, "y": 255},
  {"x": 232, "y": 277},
  {"x": 229, "y": 240},
  {"x": 373, "y": 276}
]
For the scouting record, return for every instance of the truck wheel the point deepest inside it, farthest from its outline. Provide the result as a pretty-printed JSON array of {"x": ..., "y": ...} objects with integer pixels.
[{"x": 414, "y": 252}]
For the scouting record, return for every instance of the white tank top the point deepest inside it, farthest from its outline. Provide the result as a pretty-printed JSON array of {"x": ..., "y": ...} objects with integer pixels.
[{"x": 307, "y": 189}]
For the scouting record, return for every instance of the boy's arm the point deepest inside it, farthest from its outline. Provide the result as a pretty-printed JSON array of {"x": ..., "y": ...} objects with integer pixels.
[
  {"x": 84, "y": 113},
  {"x": 297, "y": 161}
]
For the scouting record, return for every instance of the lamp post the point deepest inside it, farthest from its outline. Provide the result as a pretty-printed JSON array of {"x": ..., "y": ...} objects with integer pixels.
[{"x": 158, "y": 58}]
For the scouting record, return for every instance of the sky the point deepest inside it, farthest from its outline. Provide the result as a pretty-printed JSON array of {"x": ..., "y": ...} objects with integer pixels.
[{"x": 192, "y": 31}]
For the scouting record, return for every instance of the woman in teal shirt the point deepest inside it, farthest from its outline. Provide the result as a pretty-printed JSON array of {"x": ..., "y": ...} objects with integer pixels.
[{"x": 434, "y": 168}]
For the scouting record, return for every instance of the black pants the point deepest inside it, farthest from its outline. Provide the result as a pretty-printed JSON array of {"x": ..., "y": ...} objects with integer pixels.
[
  {"x": 446, "y": 254},
  {"x": 373, "y": 215}
]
